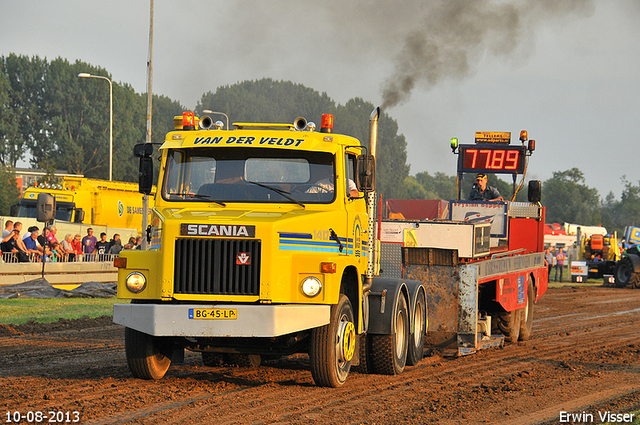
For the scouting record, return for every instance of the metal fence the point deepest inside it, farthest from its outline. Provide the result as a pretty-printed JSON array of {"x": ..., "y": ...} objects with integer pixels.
[{"x": 10, "y": 257}]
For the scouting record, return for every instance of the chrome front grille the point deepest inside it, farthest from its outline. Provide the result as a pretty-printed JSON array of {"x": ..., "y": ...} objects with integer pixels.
[{"x": 217, "y": 266}]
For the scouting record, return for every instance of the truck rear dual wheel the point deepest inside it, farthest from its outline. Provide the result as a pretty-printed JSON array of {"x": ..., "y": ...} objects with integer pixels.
[
  {"x": 332, "y": 346},
  {"x": 145, "y": 355},
  {"x": 389, "y": 352},
  {"x": 418, "y": 331}
]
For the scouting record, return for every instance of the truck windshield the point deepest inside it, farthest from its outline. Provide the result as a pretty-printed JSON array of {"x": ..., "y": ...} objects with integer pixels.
[
  {"x": 64, "y": 210},
  {"x": 249, "y": 175}
]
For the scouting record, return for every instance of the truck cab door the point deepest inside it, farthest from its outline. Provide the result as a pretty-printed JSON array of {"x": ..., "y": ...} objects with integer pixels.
[{"x": 356, "y": 215}]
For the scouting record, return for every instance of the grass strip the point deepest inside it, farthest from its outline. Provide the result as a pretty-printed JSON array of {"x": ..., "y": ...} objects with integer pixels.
[{"x": 17, "y": 311}]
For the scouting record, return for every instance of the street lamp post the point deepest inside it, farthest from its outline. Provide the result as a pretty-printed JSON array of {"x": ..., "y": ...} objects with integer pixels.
[{"x": 87, "y": 75}]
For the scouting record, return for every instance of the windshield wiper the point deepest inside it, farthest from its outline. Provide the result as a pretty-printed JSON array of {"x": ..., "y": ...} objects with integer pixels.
[
  {"x": 284, "y": 193},
  {"x": 195, "y": 195},
  {"x": 335, "y": 237}
]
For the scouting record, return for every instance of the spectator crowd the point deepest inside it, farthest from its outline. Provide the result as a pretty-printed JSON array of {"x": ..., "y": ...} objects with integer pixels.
[
  {"x": 34, "y": 246},
  {"x": 556, "y": 261}
]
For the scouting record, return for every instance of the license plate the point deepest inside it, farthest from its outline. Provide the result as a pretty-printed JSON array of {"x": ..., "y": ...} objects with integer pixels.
[{"x": 213, "y": 313}]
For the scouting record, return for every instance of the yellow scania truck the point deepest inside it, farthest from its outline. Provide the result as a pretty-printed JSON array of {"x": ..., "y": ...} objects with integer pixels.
[
  {"x": 260, "y": 246},
  {"x": 262, "y": 242}
]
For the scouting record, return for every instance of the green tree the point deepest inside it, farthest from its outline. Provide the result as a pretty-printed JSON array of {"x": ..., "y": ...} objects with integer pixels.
[
  {"x": 9, "y": 154},
  {"x": 568, "y": 199},
  {"x": 438, "y": 186},
  {"x": 629, "y": 211},
  {"x": 62, "y": 121},
  {"x": 391, "y": 162},
  {"x": 9, "y": 193},
  {"x": 77, "y": 113},
  {"x": 413, "y": 189},
  {"x": 25, "y": 122},
  {"x": 618, "y": 214},
  {"x": 266, "y": 101}
]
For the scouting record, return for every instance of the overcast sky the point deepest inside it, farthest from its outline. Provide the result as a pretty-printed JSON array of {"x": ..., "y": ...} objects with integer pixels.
[{"x": 567, "y": 71}]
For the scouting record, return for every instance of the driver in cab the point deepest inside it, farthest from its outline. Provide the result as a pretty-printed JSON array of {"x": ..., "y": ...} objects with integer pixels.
[
  {"x": 326, "y": 186},
  {"x": 481, "y": 191}
]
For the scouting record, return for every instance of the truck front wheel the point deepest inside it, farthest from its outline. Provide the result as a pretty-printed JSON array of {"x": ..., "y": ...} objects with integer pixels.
[
  {"x": 145, "y": 355},
  {"x": 389, "y": 352},
  {"x": 332, "y": 346}
]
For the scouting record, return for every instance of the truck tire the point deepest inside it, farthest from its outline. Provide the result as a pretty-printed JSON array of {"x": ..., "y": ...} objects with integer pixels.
[
  {"x": 145, "y": 355},
  {"x": 245, "y": 360},
  {"x": 526, "y": 319},
  {"x": 415, "y": 351},
  {"x": 625, "y": 275},
  {"x": 332, "y": 346},
  {"x": 509, "y": 325},
  {"x": 389, "y": 352}
]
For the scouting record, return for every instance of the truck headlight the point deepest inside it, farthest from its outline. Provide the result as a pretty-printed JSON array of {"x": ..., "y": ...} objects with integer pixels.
[
  {"x": 311, "y": 286},
  {"x": 135, "y": 282}
]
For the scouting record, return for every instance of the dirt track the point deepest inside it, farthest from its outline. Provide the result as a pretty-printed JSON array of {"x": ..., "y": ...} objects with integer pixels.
[{"x": 584, "y": 355}]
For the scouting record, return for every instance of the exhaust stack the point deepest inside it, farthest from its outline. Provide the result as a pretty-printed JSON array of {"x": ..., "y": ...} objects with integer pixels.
[
  {"x": 371, "y": 203},
  {"x": 373, "y": 131}
]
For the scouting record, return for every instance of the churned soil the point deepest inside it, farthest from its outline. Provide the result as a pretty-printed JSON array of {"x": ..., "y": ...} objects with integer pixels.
[{"x": 583, "y": 358}]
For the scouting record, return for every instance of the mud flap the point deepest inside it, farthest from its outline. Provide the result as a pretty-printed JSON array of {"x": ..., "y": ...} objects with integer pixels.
[{"x": 382, "y": 301}]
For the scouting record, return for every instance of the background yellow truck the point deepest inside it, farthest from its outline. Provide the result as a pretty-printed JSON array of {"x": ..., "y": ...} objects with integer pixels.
[{"x": 88, "y": 201}]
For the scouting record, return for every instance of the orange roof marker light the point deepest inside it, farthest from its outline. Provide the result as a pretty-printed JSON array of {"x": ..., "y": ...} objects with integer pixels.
[
  {"x": 326, "y": 125},
  {"x": 188, "y": 121}
]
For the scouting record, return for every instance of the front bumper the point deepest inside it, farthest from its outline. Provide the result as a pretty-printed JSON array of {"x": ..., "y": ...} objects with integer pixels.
[{"x": 251, "y": 321}]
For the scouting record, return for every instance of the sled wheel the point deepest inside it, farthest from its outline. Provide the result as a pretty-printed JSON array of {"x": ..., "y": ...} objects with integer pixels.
[
  {"x": 145, "y": 355},
  {"x": 332, "y": 346},
  {"x": 418, "y": 331},
  {"x": 389, "y": 352},
  {"x": 526, "y": 319},
  {"x": 509, "y": 325}
]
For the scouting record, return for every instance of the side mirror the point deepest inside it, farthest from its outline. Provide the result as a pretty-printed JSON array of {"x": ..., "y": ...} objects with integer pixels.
[
  {"x": 145, "y": 181},
  {"x": 145, "y": 175},
  {"x": 13, "y": 211},
  {"x": 46, "y": 207},
  {"x": 534, "y": 192},
  {"x": 143, "y": 149},
  {"x": 366, "y": 173},
  {"x": 79, "y": 218}
]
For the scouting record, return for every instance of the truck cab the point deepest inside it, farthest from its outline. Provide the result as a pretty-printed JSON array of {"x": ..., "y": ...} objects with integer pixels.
[{"x": 257, "y": 235}]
